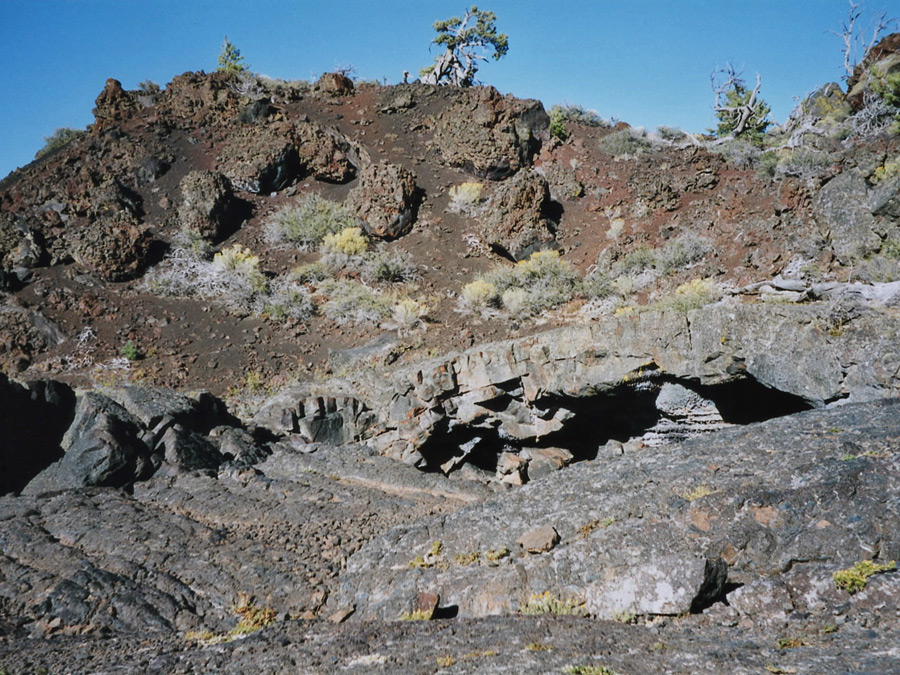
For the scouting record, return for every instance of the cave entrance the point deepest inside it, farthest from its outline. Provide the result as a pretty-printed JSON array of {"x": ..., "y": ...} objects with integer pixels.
[{"x": 657, "y": 411}]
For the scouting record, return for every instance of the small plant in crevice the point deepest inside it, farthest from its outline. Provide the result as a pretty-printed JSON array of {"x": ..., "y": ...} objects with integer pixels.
[
  {"x": 546, "y": 603},
  {"x": 702, "y": 490},
  {"x": 855, "y": 579},
  {"x": 416, "y": 615},
  {"x": 252, "y": 617},
  {"x": 431, "y": 559},
  {"x": 589, "y": 670}
]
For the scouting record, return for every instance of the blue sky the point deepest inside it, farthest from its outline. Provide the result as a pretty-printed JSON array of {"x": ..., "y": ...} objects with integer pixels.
[{"x": 646, "y": 62}]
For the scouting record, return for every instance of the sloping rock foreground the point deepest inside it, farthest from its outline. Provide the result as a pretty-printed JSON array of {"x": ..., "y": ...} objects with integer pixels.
[
  {"x": 510, "y": 645},
  {"x": 759, "y": 516},
  {"x": 738, "y": 532}
]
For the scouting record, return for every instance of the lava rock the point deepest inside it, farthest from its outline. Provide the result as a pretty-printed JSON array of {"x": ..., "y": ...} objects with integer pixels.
[
  {"x": 387, "y": 200},
  {"x": 516, "y": 221},
  {"x": 207, "y": 204}
]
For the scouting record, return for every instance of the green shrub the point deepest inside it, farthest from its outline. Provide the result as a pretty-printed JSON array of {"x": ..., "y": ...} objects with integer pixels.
[
  {"x": 692, "y": 295},
  {"x": 306, "y": 223},
  {"x": 130, "y": 351},
  {"x": 58, "y": 139},
  {"x": 576, "y": 114},
  {"x": 349, "y": 242},
  {"x": 352, "y": 302},
  {"x": 558, "y": 123},
  {"x": 596, "y": 286},
  {"x": 232, "y": 279},
  {"x": 389, "y": 266},
  {"x": 737, "y": 152},
  {"x": 623, "y": 143},
  {"x": 479, "y": 296},
  {"x": 288, "y": 297},
  {"x": 672, "y": 134},
  {"x": 407, "y": 315},
  {"x": 311, "y": 273},
  {"x": 634, "y": 262},
  {"x": 543, "y": 281},
  {"x": 686, "y": 249}
]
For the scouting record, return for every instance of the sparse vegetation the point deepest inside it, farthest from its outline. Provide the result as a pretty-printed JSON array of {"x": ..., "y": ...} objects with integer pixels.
[
  {"x": 623, "y": 143},
  {"x": 465, "y": 198},
  {"x": 58, "y": 139},
  {"x": 855, "y": 579}
]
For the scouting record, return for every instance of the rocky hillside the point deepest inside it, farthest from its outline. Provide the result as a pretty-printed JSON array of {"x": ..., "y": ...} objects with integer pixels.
[{"x": 325, "y": 376}]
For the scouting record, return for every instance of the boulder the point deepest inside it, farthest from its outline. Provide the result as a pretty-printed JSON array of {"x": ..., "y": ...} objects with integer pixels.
[
  {"x": 25, "y": 333},
  {"x": 489, "y": 135},
  {"x": 197, "y": 99},
  {"x": 207, "y": 205},
  {"x": 886, "y": 198},
  {"x": 20, "y": 245},
  {"x": 517, "y": 220},
  {"x": 260, "y": 159},
  {"x": 326, "y": 154},
  {"x": 115, "y": 247},
  {"x": 387, "y": 200},
  {"x": 335, "y": 84},
  {"x": 186, "y": 450},
  {"x": 102, "y": 448},
  {"x": 844, "y": 216}
]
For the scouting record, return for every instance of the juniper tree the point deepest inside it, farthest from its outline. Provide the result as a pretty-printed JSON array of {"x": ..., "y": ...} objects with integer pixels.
[
  {"x": 230, "y": 59},
  {"x": 740, "y": 111},
  {"x": 466, "y": 40}
]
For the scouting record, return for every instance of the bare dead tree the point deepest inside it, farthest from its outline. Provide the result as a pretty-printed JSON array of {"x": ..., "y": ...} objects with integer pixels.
[
  {"x": 737, "y": 108},
  {"x": 854, "y": 39}
]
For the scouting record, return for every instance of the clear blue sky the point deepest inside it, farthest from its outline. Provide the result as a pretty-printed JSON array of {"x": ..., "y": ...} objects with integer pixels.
[{"x": 646, "y": 62}]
